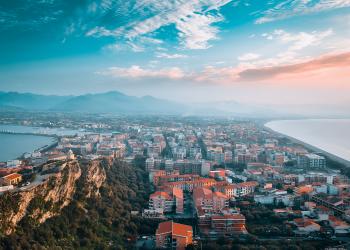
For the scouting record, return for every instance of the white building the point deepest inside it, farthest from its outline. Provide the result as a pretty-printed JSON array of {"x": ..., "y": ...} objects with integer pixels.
[
  {"x": 13, "y": 163},
  {"x": 150, "y": 164},
  {"x": 205, "y": 168},
  {"x": 311, "y": 161},
  {"x": 169, "y": 165},
  {"x": 287, "y": 200}
]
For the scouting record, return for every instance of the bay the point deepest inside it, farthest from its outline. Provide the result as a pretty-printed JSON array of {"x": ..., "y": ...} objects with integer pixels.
[{"x": 14, "y": 145}]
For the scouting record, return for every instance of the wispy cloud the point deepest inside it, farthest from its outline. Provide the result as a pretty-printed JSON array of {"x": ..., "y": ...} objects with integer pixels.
[
  {"x": 293, "y": 44},
  {"x": 289, "y": 8},
  {"x": 290, "y": 48},
  {"x": 28, "y": 15},
  {"x": 134, "y": 47},
  {"x": 170, "y": 56},
  {"x": 249, "y": 57},
  {"x": 299, "y": 40},
  {"x": 137, "y": 72},
  {"x": 193, "y": 19}
]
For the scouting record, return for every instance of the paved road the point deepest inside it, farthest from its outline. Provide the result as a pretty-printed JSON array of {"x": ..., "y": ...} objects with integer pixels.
[{"x": 39, "y": 179}]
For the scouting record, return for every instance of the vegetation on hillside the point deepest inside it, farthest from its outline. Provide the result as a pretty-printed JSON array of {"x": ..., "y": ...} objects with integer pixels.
[{"x": 101, "y": 222}]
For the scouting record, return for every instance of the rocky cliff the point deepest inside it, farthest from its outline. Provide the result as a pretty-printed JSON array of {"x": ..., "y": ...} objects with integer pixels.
[{"x": 48, "y": 196}]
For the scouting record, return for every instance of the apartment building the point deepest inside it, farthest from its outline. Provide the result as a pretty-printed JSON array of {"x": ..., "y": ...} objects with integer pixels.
[{"x": 171, "y": 235}]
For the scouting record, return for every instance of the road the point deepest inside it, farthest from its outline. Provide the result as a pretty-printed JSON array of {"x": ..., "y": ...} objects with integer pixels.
[{"x": 39, "y": 179}]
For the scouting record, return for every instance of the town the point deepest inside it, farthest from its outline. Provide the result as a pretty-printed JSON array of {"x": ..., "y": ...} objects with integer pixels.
[{"x": 211, "y": 179}]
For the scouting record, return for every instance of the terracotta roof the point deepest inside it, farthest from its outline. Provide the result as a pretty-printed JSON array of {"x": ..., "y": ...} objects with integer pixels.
[
  {"x": 305, "y": 189},
  {"x": 302, "y": 222},
  {"x": 202, "y": 192},
  {"x": 162, "y": 194},
  {"x": 221, "y": 195},
  {"x": 177, "y": 192},
  {"x": 174, "y": 228},
  {"x": 12, "y": 176},
  {"x": 181, "y": 229},
  {"x": 164, "y": 227}
]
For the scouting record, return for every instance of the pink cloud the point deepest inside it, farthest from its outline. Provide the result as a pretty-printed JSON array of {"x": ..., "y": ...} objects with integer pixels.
[{"x": 320, "y": 64}]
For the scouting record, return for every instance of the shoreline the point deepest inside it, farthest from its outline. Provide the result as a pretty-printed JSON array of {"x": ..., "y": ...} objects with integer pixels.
[
  {"x": 312, "y": 148},
  {"x": 4, "y": 132},
  {"x": 55, "y": 135},
  {"x": 41, "y": 149}
]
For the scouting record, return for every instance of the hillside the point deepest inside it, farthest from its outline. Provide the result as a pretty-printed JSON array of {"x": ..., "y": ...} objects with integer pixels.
[
  {"x": 85, "y": 205},
  {"x": 28, "y": 101},
  {"x": 115, "y": 102},
  {"x": 110, "y": 102}
]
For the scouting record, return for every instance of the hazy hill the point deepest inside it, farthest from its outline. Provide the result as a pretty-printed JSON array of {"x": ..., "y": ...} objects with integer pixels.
[
  {"x": 115, "y": 102},
  {"x": 29, "y": 101},
  {"x": 109, "y": 102}
]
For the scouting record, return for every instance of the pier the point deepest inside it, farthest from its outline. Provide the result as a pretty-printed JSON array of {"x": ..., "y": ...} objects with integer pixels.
[{"x": 11, "y": 132}]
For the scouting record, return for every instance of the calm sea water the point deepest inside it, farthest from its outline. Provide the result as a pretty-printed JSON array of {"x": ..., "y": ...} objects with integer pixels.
[
  {"x": 330, "y": 135},
  {"x": 13, "y": 146}
]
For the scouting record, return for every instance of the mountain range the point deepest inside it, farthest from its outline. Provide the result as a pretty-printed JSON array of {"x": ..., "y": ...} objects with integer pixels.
[
  {"x": 115, "y": 102},
  {"x": 109, "y": 102}
]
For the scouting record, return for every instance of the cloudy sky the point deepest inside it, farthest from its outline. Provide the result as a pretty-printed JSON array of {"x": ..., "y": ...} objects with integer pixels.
[{"x": 282, "y": 53}]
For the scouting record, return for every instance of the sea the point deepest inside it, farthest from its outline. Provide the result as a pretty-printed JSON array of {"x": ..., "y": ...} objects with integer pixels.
[
  {"x": 14, "y": 145},
  {"x": 330, "y": 135}
]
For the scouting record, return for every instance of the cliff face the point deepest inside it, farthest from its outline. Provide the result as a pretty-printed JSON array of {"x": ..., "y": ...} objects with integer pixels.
[
  {"x": 85, "y": 205},
  {"x": 53, "y": 193},
  {"x": 94, "y": 177}
]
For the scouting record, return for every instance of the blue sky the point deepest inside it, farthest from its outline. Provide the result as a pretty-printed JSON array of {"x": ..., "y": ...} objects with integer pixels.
[{"x": 253, "y": 51}]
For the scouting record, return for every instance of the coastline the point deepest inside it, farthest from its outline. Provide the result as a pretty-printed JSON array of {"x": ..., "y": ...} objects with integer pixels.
[
  {"x": 23, "y": 133},
  {"x": 23, "y": 130},
  {"x": 312, "y": 148},
  {"x": 40, "y": 148}
]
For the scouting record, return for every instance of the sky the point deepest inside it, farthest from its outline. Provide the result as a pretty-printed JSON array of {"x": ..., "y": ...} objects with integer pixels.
[{"x": 292, "y": 55}]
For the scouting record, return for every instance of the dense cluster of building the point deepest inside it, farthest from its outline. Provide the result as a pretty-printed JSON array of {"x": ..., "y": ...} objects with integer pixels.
[
  {"x": 215, "y": 166},
  {"x": 202, "y": 171}
]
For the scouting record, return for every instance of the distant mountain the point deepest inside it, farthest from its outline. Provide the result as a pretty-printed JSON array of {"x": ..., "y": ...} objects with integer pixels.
[
  {"x": 28, "y": 101},
  {"x": 109, "y": 102},
  {"x": 115, "y": 102}
]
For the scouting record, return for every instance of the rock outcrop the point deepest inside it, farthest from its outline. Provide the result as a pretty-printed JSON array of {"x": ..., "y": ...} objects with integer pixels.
[
  {"x": 50, "y": 195},
  {"x": 94, "y": 177}
]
